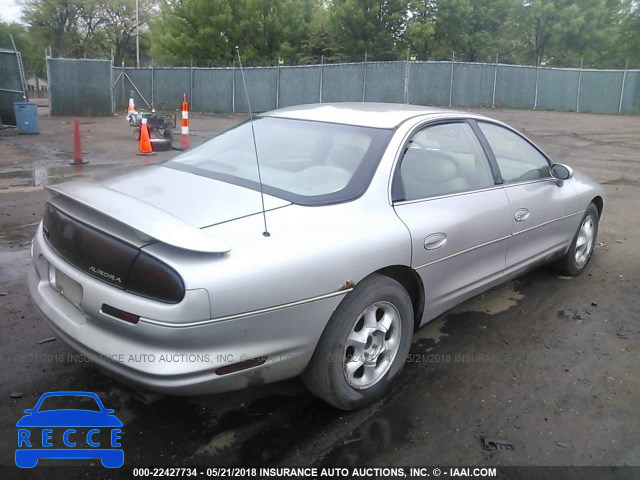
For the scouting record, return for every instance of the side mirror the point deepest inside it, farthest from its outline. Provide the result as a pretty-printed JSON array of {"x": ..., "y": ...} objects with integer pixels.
[
  {"x": 560, "y": 172},
  {"x": 29, "y": 411}
]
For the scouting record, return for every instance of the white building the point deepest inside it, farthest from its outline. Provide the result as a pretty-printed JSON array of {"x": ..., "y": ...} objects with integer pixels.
[{"x": 36, "y": 83}]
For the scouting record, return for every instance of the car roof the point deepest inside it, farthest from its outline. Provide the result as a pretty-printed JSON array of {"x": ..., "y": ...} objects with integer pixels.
[{"x": 364, "y": 114}]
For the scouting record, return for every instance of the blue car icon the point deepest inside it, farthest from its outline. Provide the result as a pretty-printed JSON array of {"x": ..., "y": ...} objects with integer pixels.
[{"x": 69, "y": 425}]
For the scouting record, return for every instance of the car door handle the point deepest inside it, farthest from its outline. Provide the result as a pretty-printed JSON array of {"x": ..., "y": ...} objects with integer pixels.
[
  {"x": 521, "y": 214},
  {"x": 435, "y": 240}
]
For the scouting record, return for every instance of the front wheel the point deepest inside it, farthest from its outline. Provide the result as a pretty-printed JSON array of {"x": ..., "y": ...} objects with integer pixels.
[
  {"x": 364, "y": 345},
  {"x": 584, "y": 242}
]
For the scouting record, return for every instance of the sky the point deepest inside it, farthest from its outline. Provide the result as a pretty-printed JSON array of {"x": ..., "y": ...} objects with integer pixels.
[{"x": 9, "y": 11}]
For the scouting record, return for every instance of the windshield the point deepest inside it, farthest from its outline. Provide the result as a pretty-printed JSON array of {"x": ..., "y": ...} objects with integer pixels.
[{"x": 300, "y": 161}]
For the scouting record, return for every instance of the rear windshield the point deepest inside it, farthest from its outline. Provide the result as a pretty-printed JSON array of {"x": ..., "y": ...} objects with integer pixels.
[
  {"x": 69, "y": 402},
  {"x": 301, "y": 161}
]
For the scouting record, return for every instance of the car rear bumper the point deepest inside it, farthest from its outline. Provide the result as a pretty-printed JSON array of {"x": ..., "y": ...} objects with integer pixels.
[{"x": 179, "y": 360}]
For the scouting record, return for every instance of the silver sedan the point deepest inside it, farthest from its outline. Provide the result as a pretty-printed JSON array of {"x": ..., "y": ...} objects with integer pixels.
[{"x": 312, "y": 241}]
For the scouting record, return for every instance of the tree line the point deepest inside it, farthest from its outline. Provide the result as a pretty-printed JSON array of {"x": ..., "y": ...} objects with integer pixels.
[{"x": 601, "y": 33}]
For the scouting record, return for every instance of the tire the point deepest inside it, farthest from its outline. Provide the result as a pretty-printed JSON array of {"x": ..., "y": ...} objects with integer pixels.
[
  {"x": 350, "y": 369},
  {"x": 160, "y": 144},
  {"x": 584, "y": 241}
]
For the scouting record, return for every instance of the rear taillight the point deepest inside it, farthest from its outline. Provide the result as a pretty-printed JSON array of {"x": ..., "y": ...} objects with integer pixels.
[
  {"x": 93, "y": 251},
  {"x": 151, "y": 278},
  {"x": 110, "y": 259}
]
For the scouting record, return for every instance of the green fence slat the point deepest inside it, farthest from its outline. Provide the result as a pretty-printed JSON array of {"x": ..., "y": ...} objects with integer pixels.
[
  {"x": 9, "y": 80},
  {"x": 600, "y": 91},
  {"x": 169, "y": 84},
  {"x": 80, "y": 87},
  {"x": 212, "y": 90},
  {"x": 473, "y": 85},
  {"x": 299, "y": 85},
  {"x": 385, "y": 82},
  {"x": 342, "y": 83},
  {"x": 558, "y": 89},
  {"x": 261, "y": 88},
  {"x": 515, "y": 86},
  {"x": 429, "y": 83},
  {"x": 141, "y": 78},
  {"x": 631, "y": 98}
]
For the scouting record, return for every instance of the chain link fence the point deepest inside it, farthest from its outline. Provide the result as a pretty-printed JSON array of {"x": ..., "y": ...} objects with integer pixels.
[
  {"x": 12, "y": 82},
  {"x": 440, "y": 83}
]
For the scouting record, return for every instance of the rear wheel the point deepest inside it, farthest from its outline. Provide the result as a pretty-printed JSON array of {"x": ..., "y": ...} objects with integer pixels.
[
  {"x": 364, "y": 345},
  {"x": 584, "y": 242}
]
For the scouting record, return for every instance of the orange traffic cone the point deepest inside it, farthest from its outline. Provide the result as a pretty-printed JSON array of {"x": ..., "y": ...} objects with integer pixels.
[
  {"x": 145, "y": 141},
  {"x": 77, "y": 145},
  {"x": 184, "y": 137}
]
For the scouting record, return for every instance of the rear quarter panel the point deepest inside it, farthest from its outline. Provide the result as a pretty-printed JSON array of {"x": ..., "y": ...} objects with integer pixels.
[{"x": 311, "y": 251}]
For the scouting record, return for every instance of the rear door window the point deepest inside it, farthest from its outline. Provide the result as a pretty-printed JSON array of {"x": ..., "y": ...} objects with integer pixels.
[{"x": 440, "y": 160}]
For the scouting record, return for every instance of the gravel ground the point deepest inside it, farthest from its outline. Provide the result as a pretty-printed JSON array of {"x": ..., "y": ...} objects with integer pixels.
[{"x": 545, "y": 362}]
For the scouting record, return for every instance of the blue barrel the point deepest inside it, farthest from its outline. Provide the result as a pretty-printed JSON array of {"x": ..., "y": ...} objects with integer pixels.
[{"x": 26, "y": 117}]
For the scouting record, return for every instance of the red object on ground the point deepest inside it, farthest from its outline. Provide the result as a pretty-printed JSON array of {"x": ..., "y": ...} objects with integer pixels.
[
  {"x": 184, "y": 137},
  {"x": 145, "y": 140},
  {"x": 77, "y": 144}
]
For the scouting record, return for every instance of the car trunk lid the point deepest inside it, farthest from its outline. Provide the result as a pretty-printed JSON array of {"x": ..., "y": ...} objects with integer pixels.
[
  {"x": 196, "y": 200},
  {"x": 165, "y": 205}
]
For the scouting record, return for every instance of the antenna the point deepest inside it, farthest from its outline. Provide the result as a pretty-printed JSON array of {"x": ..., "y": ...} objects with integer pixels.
[{"x": 255, "y": 146}]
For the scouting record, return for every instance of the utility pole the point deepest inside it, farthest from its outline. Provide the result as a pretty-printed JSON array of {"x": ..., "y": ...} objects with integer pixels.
[{"x": 137, "y": 37}]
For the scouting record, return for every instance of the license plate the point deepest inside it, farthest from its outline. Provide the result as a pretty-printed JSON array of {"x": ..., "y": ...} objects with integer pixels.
[{"x": 65, "y": 286}]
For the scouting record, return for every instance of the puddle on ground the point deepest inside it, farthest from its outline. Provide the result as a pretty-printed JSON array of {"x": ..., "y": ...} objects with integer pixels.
[
  {"x": 383, "y": 433},
  {"x": 431, "y": 331},
  {"x": 43, "y": 176},
  {"x": 494, "y": 301},
  {"x": 497, "y": 300}
]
